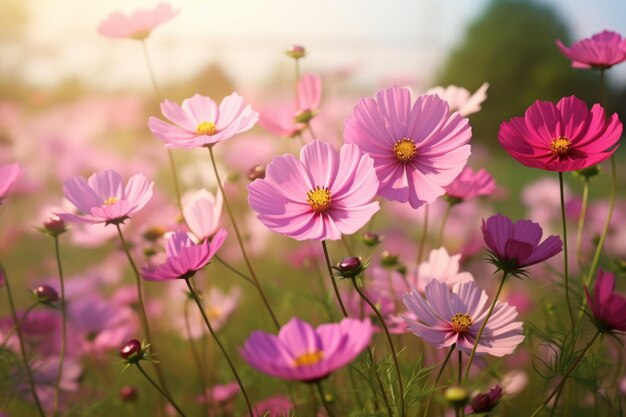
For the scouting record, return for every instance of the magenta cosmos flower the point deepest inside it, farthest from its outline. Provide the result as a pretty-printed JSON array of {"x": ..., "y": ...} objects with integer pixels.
[
  {"x": 470, "y": 184},
  {"x": 416, "y": 150},
  {"x": 445, "y": 318},
  {"x": 324, "y": 195},
  {"x": 9, "y": 174},
  {"x": 562, "y": 137},
  {"x": 200, "y": 122},
  {"x": 601, "y": 51},
  {"x": 302, "y": 353},
  {"x": 608, "y": 308},
  {"x": 514, "y": 246},
  {"x": 138, "y": 25},
  {"x": 103, "y": 198},
  {"x": 184, "y": 257}
]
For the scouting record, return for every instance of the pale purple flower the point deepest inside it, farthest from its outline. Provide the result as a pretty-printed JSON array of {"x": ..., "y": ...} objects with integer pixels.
[
  {"x": 9, "y": 174},
  {"x": 445, "y": 317},
  {"x": 303, "y": 353},
  {"x": 460, "y": 99},
  {"x": 202, "y": 211},
  {"x": 324, "y": 195},
  {"x": 103, "y": 198},
  {"x": 470, "y": 184},
  {"x": 45, "y": 371}
]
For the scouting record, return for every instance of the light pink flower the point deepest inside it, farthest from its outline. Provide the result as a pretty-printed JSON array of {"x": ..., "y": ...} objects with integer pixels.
[
  {"x": 219, "y": 393},
  {"x": 470, "y": 184},
  {"x": 44, "y": 371},
  {"x": 324, "y": 195},
  {"x": 138, "y": 25},
  {"x": 459, "y": 98},
  {"x": 202, "y": 211},
  {"x": 601, "y": 51},
  {"x": 445, "y": 318},
  {"x": 104, "y": 199},
  {"x": 417, "y": 150},
  {"x": 9, "y": 174},
  {"x": 442, "y": 267},
  {"x": 200, "y": 122},
  {"x": 275, "y": 406},
  {"x": 218, "y": 306}
]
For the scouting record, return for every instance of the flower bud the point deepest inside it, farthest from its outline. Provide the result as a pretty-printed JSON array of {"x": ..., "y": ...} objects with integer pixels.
[
  {"x": 388, "y": 259},
  {"x": 589, "y": 172},
  {"x": 154, "y": 233},
  {"x": 456, "y": 395},
  {"x": 370, "y": 239},
  {"x": 256, "y": 172},
  {"x": 485, "y": 402},
  {"x": 128, "y": 393},
  {"x": 54, "y": 226},
  {"x": 350, "y": 267},
  {"x": 45, "y": 294},
  {"x": 132, "y": 351},
  {"x": 304, "y": 116},
  {"x": 296, "y": 52}
]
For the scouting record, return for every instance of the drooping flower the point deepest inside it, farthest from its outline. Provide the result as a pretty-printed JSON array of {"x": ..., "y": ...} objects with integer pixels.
[
  {"x": 459, "y": 98},
  {"x": 470, "y": 184},
  {"x": 202, "y": 212},
  {"x": 416, "y": 150},
  {"x": 601, "y": 51},
  {"x": 138, "y": 25},
  {"x": 324, "y": 195},
  {"x": 103, "y": 198},
  {"x": 608, "y": 309},
  {"x": 184, "y": 257},
  {"x": 9, "y": 174},
  {"x": 562, "y": 137},
  {"x": 485, "y": 402},
  {"x": 445, "y": 318},
  {"x": 200, "y": 122},
  {"x": 302, "y": 353},
  {"x": 515, "y": 246}
]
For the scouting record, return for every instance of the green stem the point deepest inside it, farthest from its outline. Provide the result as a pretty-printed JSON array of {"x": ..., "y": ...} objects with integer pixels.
[
  {"x": 146, "y": 57},
  {"x": 240, "y": 241},
  {"x": 20, "y": 338},
  {"x": 564, "y": 379},
  {"x": 320, "y": 391},
  {"x": 581, "y": 224},
  {"x": 389, "y": 340},
  {"x": 57, "y": 385},
  {"x": 460, "y": 367},
  {"x": 332, "y": 279},
  {"x": 219, "y": 344},
  {"x": 380, "y": 382},
  {"x": 441, "y": 369},
  {"x": 310, "y": 129},
  {"x": 162, "y": 391},
  {"x": 482, "y": 327},
  {"x": 565, "y": 256},
  {"x": 179, "y": 203},
  {"x": 233, "y": 269},
  {"x": 446, "y": 215},
  {"x": 196, "y": 356},
  {"x": 422, "y": 245}
]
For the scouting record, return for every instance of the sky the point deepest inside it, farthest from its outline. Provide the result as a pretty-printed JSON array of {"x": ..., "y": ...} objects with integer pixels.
[{"x": 377, "y": 40}]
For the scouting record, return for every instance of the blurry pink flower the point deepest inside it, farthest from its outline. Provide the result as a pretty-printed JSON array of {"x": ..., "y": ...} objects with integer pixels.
[
  {"x": 543, "y": 200},
  {"x": 275, "y": 406},
  {"x": 302, "y": 353},
  {"x": 45, "y": 371},
  {"x": 103, "y": 198},
  {"x": 601, "y": 51},
  {"x": 459, "y": 98},
  {"x": 324, "y": 195},
  {"x": 184, "y": 257},
  {"x": 514, "y": 382},
  {"x": 442, "y": 267},
  {"x": 470, "y": 184},
  {"x": 416, "y": 150},
  {"x": 445, "y": 318},
  {"x": 219, "y": 393},
  {"x": 383, "y": 300},
  {"x": 562, "y": 137},
  {"x": 608, "y": 309},
  {"x": 199, "y": 122},
  {"x": 485, "y": 402},
  {"x": 514, "y": 246},
  {"x": 218, "y": 306},
  {"x": 202, "y": 212},
  {"x": 9, "y": 174},
  {"x": 138, "y": 25}
]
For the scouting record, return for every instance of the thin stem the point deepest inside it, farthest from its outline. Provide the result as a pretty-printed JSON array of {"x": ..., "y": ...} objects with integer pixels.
[
  {"x": 380, "y": 382},
  {"x": 146, "y": 57},
  {"x": 179, "y": 203},
  {"x": 389, "y": 340},
  {"x": 20, "y": 338},
  {"x": 345, "y": 242},
  {"x": 443, "y": 367},
  {"x": 14, "y": 327},
  {"x": 422, "y": 246},
  {"x": 219, "y": 344},
  {"x": 313, "y": 135},
  {"x": 195, "y": 354},
  {"x": 460, "y": 367},
  {"x": 565, "y": 255},
  {"x": 482, "y": 327},
  {"x": 567, "y": 374},
  {"x": 240, "y": 241},
  {"x": 320, "y": 391},
  {"x": 446, "y": 215},
  {"x": 603, "y": 98},
  {"x": 233, "y": 269},
  {"x": 162, "y": 391},
  {"x": 332, "y": 279},
  {"x": 581, "y": 224},
  {"x": 57, "y": 385}
]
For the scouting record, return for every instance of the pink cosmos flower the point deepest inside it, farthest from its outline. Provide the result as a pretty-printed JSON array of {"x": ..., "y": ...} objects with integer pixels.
[
  {"x": 416, "y": 150},
  {"x": 184, "y": 257},
  {"x": 138, "y": 25},
  {"x": 219, "y": 393},
  {"x": 515, "y": 246},
  {"x": 302, "y": 353},
  {"x": 200, "y": 122},
  {"x": 601, "y": 51},
  {"x": 9, "y": 174},
  {"x": 445, "y": 318},
  {"x": 103, "y": 198},
  {"x": 202, "y": 212},
  {"x": 45, "y": 371},
  {"x": 324, "y": 195},
  {"x": 562, "y": 137},
  {"x": 608, "y": 308},
  {"x": 459, "y": 99},
  {"x": 275, "y": 406},
  {"x": 218, "y": 306},
  {"x": 470, "y": 184}
]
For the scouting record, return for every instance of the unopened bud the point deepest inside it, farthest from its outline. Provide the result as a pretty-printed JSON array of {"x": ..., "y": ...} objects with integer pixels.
[
  {"x": 296, "y": 52},
  {"x": 370, "y": 239},
  {"x": 350, "y": 267},
  {"x": 256, "y": 172},
  {"x": 46, "y": 294},
  {"x": 54, "y": 226},
  {"x": 388, "y": 259},
  {"x": 456, "y": 395},
  {"x": 132, "y": 351},
  {"x": 128, "y": 393}
]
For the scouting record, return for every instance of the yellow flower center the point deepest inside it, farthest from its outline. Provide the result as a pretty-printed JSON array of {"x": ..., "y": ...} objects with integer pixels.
[
  {"x": 214, "y": 313},
  {"x": 309, "y": 358},
  {"x": 405, "y": 149},
  {"x": 461, "y": 322},
  {"x": 319, "y": 199},
  {"x": 561, "y": 146},
  {"x": 110, "y": 201},
  {"x": 206, "y": 128}
]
